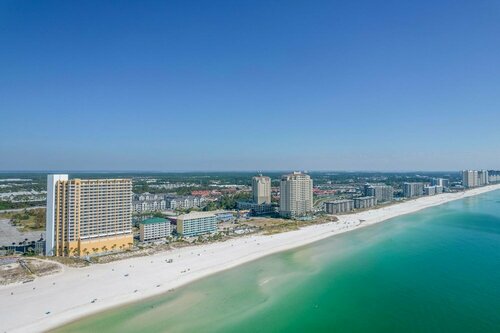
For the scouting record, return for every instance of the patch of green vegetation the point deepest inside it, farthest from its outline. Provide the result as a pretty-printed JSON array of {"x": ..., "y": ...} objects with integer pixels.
[
  {"x": 19, "y": 205},
  {"x": 270, "y": 226},
  {"x": 227, "y": 201},
  {"x": 27, "y": 220},
  {"x": 70, "y": 261}
]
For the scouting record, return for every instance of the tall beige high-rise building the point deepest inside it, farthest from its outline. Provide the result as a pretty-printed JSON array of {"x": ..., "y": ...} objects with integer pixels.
[
  {"x": 411, "y": 190},
  {"x": 296, "y": 196},
  {"x": 474, "y": 178},
  {"x": 88, "y": 216},
  {"x": 261, "y": 190},
  {"x": 469, "y": 178},
  {"x": 483, "y": 177}
]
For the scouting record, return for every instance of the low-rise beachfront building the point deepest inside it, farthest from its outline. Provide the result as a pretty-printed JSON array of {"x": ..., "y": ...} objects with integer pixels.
[
  {"x": 365, "y": 202},
  {"x": 255, "y": 208},
  {"x": 224, "y": 217},
  {"x": 433, "y": 190},
  {"x": 339, "y": 206},
  {"x": 195, "y": 223},
  {"x": 154, "y": 229}
]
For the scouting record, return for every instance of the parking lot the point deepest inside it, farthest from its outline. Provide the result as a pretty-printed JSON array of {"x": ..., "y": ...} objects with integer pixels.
[{"x": 10, "y": 234}]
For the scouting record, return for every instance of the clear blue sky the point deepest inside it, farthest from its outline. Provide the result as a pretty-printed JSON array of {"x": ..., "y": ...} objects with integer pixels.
[{"x": 249, "y": 85}]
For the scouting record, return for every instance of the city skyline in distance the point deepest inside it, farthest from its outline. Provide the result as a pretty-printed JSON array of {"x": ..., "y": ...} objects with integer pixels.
[
  {"x": 155, "y": 86},
  {"x": 250, "y": 173}
]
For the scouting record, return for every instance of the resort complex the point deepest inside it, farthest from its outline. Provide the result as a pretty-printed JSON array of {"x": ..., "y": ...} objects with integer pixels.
[
  {"x": 95, "y": 214},
  {"x": 195, "y": 224},
  {"x": 156, "y": 228},
  {"x": 99, "y": 216}
]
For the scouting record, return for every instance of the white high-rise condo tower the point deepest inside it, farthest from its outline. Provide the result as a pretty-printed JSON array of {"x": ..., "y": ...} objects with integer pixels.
[
  {"x": 474, "y": 178},
  {"x": 296, "y": 196},
  {"x": 51, "y": 210},
  {"x": 261, "y": 190}
]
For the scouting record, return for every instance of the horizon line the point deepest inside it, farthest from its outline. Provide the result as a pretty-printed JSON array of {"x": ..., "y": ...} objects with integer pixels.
[{"x": 229, "y": 171}]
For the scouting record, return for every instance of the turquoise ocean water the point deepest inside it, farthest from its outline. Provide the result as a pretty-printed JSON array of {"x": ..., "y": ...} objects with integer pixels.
[{"x": 437, "y": 270}]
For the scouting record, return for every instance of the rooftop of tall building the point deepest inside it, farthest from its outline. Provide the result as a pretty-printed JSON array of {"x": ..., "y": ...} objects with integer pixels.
[
  {"x": 295, "y": 174},
  {"x": 194, "y": 215},
  {"x": 154, "y": 220}
]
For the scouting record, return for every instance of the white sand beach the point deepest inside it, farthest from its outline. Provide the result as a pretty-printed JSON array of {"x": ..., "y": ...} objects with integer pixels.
[{"x": 51, "y": 301}]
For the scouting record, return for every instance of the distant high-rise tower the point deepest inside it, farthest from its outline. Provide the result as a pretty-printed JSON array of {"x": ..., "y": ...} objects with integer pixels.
[
  {"x": 493, "y": 176},
  {"x": 440, "y": 182},
  {"x": 411, "y": 190},
  {"x": 483, "y": 178},
  {"x": 380, "y": 192},
  {"x": 469, "y": 178},
  {"x": 87, "y": 216},
  {"x": 261, "y": 190},
  {"x": 474, "y": 178},
  {"x": 296, "y": 196}
]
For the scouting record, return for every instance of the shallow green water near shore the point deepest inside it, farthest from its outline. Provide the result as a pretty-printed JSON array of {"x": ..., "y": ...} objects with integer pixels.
[{"x": 434, "y": 271}]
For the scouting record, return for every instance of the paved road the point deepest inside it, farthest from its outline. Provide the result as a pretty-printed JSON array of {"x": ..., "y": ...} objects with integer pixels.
[
  {"x": 9, "y": 234},
  {"x": 19, "y": 209}
]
